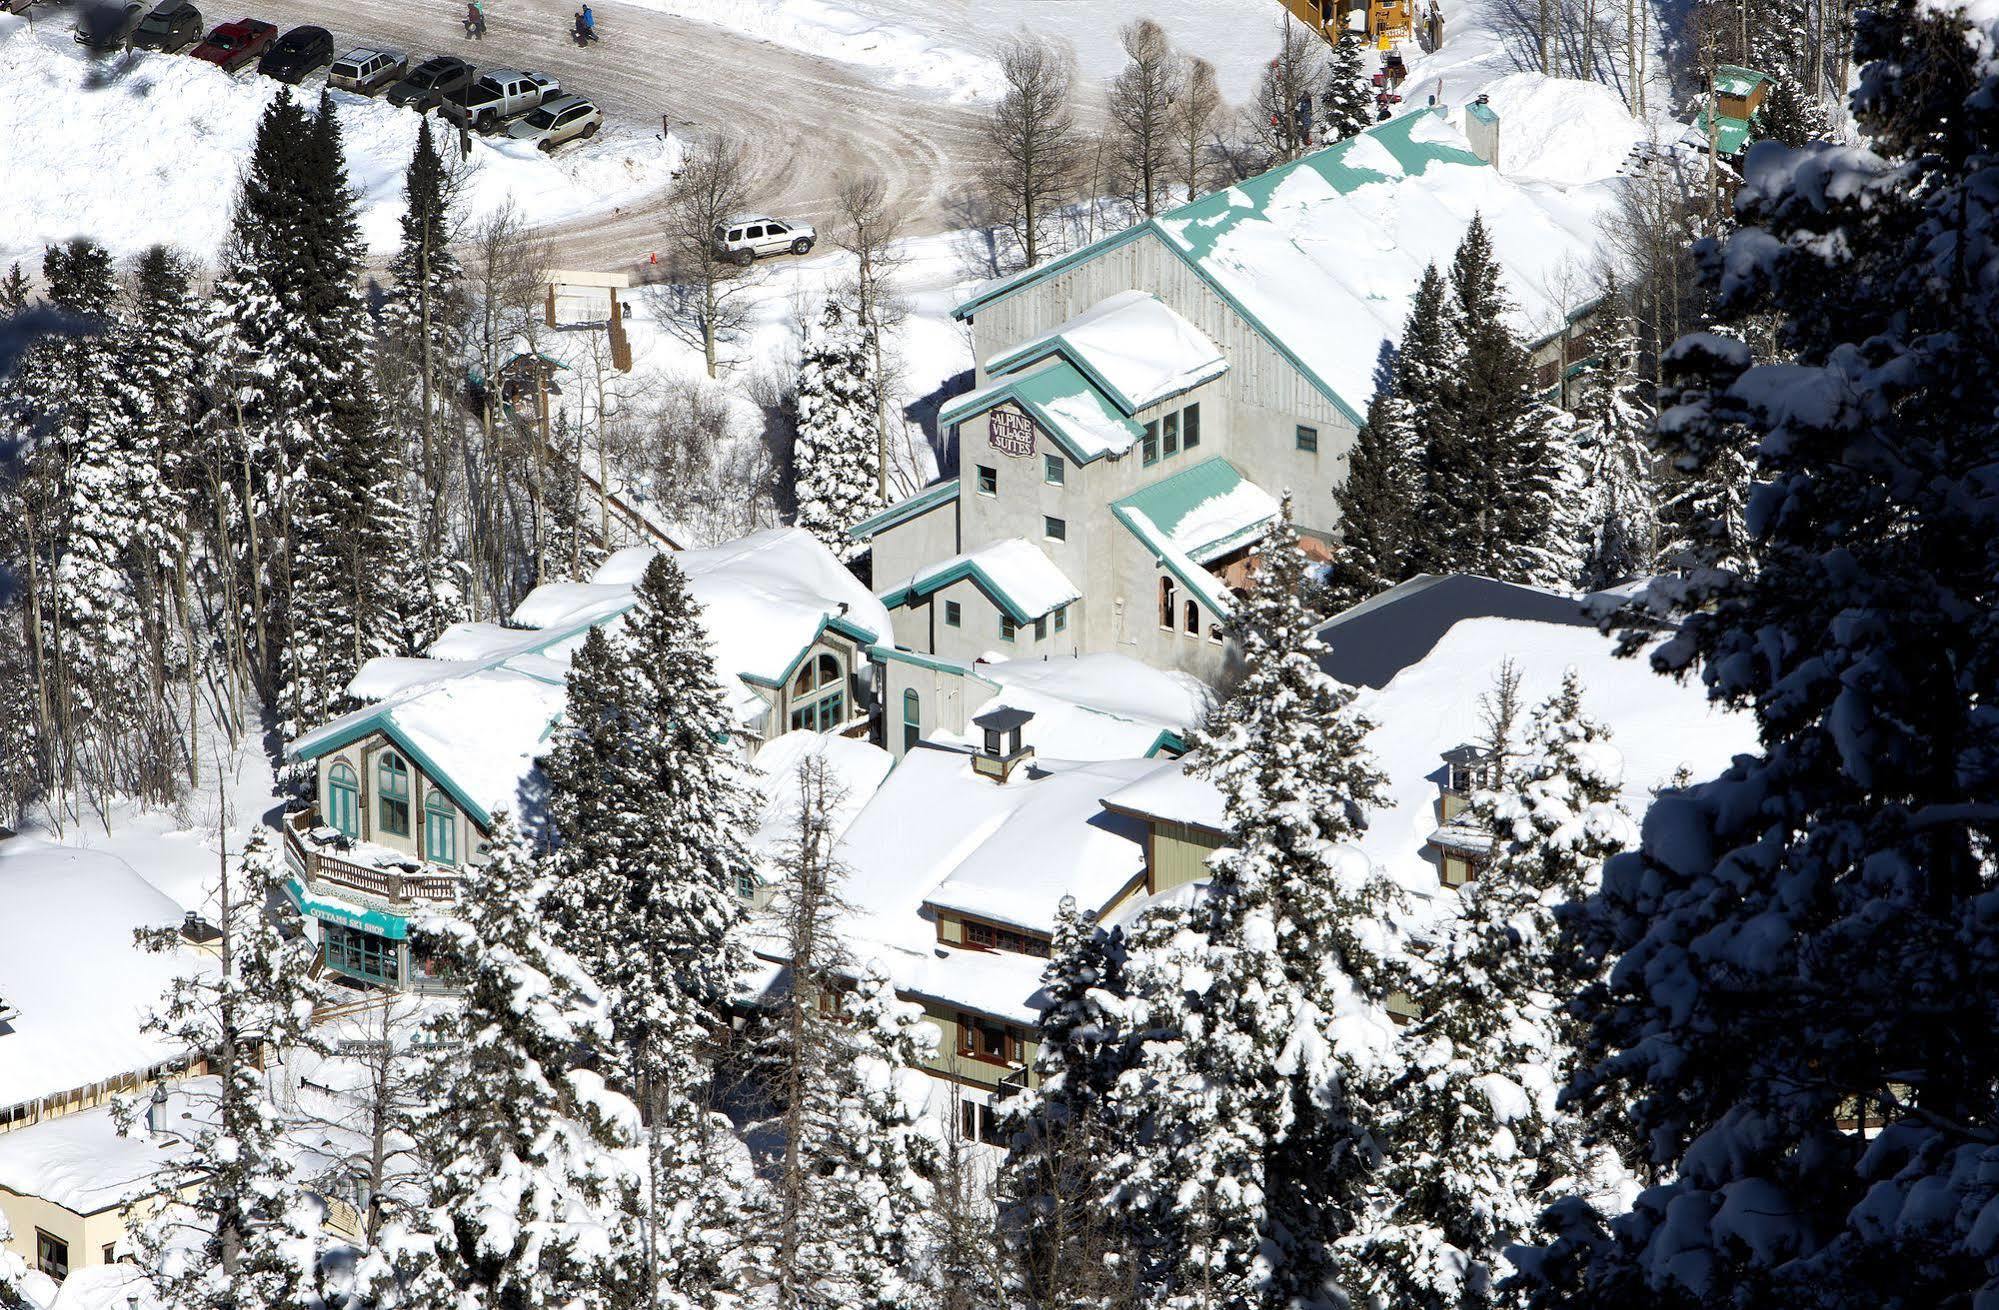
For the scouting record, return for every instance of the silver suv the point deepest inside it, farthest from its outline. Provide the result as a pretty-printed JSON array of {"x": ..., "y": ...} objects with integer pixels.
[
  {"x": 743, "y": 239},
  {"x": 365, "y": 71},
  {"x": 553, "y": 122}
]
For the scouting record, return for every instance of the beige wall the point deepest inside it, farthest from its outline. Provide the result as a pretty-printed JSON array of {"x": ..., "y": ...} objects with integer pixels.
[
  {"x": 363, "y": 756},
  {"x": 1179, "y": 854},
  {"x": 87, "y": 1235}
]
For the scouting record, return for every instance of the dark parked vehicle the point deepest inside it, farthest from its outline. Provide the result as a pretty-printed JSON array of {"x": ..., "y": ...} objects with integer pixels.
[
  {"x": 365, "y": 71},
  {"x": 431, "y": 81},
  {"x": 107, "y": 27},
  {"x": 297, "y": 53},
  {"x": 175, "y": 25},
  {"x": 233, "y": 45}
]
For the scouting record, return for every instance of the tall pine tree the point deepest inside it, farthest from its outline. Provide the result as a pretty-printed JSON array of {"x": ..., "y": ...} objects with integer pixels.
[
  {"x": 1803, "y": 942},
  {"x": 834, "y": 458},
  {"x": 1347, "y": 104},
  {"x": 1613, "y": 426}
]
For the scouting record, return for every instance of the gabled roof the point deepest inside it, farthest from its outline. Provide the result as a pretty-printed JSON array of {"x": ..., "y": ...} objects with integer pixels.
[
  {"x": 1015, "y": 574},
  {"x": 1368, "y": 644},
  {"x": 1342, "y": 236},
  {"x": 1735, "y": 80},
  {"x": 1135, "y": 348},
  {"x": 902, "y": 511},
  {"x": 1198, "y": 515},
  {"x": 1066, "y": 404}
]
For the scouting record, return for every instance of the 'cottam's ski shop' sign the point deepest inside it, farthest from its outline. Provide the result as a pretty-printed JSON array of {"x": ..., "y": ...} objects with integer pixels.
[{"x": 1010, "y": 432}]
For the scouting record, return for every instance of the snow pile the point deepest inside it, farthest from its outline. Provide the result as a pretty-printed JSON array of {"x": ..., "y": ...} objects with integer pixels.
[
  {"x": 1133, "y": 342},
  {"x": 1218, "y": 524},
  {"x": 856, "y": 768},
  {"x": 70, "y": 969},
  {"x": 167, "y": 136},
  {"x": 1093, "y": 707},
  {"x": 1560, "y": 130}
]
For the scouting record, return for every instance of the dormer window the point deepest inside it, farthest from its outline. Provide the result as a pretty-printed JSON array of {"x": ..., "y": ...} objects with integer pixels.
[{"x": 392, "y": 778}]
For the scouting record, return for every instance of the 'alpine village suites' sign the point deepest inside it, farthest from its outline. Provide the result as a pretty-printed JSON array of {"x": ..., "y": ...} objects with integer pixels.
[{"x": 1010, "y": 432}]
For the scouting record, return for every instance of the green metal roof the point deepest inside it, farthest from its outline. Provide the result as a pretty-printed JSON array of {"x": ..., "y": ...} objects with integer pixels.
[
  {"x": 1064, "y": 403},
  {"x": 904, "y": 510},
  {"x": 1155, "y": 515},
  {"x": 931, "y": 581},
  {"x": 1735, "y": 80},
  {"x": 1730, "y": 134}
]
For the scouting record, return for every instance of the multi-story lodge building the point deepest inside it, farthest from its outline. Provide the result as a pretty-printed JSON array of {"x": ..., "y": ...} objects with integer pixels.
[{"x": 1141, "y": 404}]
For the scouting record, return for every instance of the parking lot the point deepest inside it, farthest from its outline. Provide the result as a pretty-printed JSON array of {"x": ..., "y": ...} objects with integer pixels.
[{"x": 805, "y": 120}]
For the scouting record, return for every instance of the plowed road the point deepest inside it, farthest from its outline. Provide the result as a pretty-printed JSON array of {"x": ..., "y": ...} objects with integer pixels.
[{"x": 805, "y": 120}]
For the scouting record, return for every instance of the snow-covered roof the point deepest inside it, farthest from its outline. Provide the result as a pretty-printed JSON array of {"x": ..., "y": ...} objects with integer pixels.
[
  {"x": 855, "y": 767},
  {"x": 1014, "y": 572},
  {"x": 1175, "y": 795},
  {"x": 1197, "y": 515},
  {"x": 71, "y": 972},
  {"x": 479, "y": 711},
  {"x": 1132, "y": 345},
  {"x": 1369, "y": 643},
  {"x": 1342, "y": 236},
  {"x": 79, "y": 1162},
  {"x": 1063, "y": 401},
  {"x": 1104, "y": 706}
]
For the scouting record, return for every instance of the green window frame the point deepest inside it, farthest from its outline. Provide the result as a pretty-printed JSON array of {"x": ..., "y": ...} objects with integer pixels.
[
  {"x": 1062, "y": 619},
  {"x": 988, "y": 480},
  {"x": 1308, "y": 439},
  {"x": 1053, "y": 528},
  {"x": 1148, "y": 448},
  {"x": 746, "y": 886},
  {"x": 954, "y": 614},
  {"x": 392, "y": 786},
  {"x": 819, "y": 695},
  {"x": 912, "y": 719},
  {"x": 1053, "y": 472},
  {"x": 358, "y": 953},
  {"x": 343, "y": 799},
  {"x": 1190, "y": 426},
  {"x": 440, "y": 829},
  {"x": 1041, "y": 628},
  {"x": 1169, "y": 434},
  {"x": 1007, "y": 627}
]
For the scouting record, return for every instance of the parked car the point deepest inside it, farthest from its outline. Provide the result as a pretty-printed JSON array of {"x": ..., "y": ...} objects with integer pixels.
[
  {"x": 233, "y": 45},
  {"x": 431, "y": 81},
  {"x": 365, "y": 71},
  {"x": 496, "y": 97},
  {"x": 297, "y": 53},
  {"x": 743, "y": 239},
  {"x": 564, "y": 118},
  {"x": 107, "y": 27},
  {"x": 175, "y": 25}
]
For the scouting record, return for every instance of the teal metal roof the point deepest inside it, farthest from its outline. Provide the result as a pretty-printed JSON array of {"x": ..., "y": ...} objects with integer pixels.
[
  {"x": 1168, "y": 518},
  {"x": 1064, "y": 403},
  {"x": 904, "y": 510},
  {"x": 1730, "y": 134},
  {"x": 1483, "y": 113},
  {"x": 1735, "y": 80},
  {"x": 1018, "y": 577}
]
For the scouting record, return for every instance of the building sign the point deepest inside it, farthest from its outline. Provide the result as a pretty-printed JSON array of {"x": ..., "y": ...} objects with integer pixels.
[{"x": 1010, "y": 432}]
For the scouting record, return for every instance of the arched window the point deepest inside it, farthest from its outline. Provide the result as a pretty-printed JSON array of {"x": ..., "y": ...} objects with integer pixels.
[
  {"x": 819, "y": 695},
  {"x": 1193, "y": 618},
  {"x": 440, "y": 829},
  {"x": 912, "y": 719},
  {"x": 343, "y": 799},
  {"x": 392, "y": 786},
  {"x": 1166, "y": 603}
]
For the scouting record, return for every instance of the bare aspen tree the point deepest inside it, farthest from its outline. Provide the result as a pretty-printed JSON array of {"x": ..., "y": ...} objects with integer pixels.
[
  {"x": 507, "y": 266},
  {"x": 379, "y": 1114},
  {"x": 1544, "y": 26},
  {"x": 870, "y": 229},
  {"x": 1141, "y": 100},
  {"x": 1634, "y": 58},
  {"x": 704, "y": 305},
  {"x": 1280, "y": 115},
  {"x": 1196, "y": 118},
  {"x": 1032, "y": 146}
]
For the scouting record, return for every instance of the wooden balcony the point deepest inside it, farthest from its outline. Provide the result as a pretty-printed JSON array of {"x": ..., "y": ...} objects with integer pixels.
[{"x": 424, "y": 884}]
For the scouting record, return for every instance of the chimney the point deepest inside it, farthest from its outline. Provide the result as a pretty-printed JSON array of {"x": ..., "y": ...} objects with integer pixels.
[
  {"x": 156, "y": 1111},
  {"x": 1001, "y": 752},
  {"x": 1482, "y": 130}
]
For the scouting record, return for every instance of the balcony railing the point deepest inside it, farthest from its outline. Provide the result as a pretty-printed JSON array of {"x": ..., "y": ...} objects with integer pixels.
[{"x": 394, "y": 885}]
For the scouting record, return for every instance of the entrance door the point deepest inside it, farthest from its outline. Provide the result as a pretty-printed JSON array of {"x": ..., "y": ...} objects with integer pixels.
[{"x": 343, "y": 800}]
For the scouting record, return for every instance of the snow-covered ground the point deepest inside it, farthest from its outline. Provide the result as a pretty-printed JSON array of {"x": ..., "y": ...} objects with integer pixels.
[{"x": 147, "y": 149}]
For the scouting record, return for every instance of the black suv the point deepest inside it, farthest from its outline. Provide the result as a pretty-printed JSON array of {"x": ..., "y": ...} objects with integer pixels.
[
  {"x": 429, "y": 82},
  {"x": 297, "y": 53},
  {"x": 175, "y": 25}
]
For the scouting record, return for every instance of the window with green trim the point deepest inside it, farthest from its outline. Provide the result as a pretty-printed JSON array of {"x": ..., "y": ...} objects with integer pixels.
[
  {"x": 392, "y": 787},
  {"x": 1054, "y": 529},
  {"x": 1007, "y": 627},
  {"x": 912, "y": 719},
  {"x": 1308, "y": 439},
  {"x": 358, "y": 953},
  {"x": 746, "y": 886},
  {"x": 440, "y": 829},
  {"x": 1062, "y": 619},
  {"x": 343, "y": 799},
  {"x": 1169, "y": 434},
  {"x": 1148, "y": 448},
  {"x": 1041, "y": 628},
  {"x": 819, "y": 695},
  {"x": 1053, "y": 472},
  {"x": 954, "y": 614},
  {"x": 1190, "y": 426},
  {"x": 988, "y": 481}
]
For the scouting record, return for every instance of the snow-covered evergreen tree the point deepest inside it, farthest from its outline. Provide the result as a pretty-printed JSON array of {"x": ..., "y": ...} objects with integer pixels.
[
  {"x": 1475, "y": 1144},
  {"x": 1378, "y": 500},
  {"x": 237, "y": 1237},
  {"x": 1265, "y": 1007},
  {"x": 1789, "y": 116},
  {"x": 423, "y": 316},
  {"x": 1804, "y": 941},
  {"x": 835, "y": 459},
  {"x": 1347, "y": 104},
  {"x": 1705, "y": 440},
  {"x": 13, "y": 1269},
  {"x": 1613, "y": 427},
  {"x": 522, "y": 1146}
]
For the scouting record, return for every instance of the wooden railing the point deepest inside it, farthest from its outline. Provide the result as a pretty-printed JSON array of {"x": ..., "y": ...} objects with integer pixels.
[{"x": 393, "y": 885}]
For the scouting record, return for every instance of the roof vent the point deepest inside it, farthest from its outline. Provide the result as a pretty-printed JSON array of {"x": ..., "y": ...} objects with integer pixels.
[
  {"x": 1001, "y": 752},
  {"x": 1482, "y": 130}
]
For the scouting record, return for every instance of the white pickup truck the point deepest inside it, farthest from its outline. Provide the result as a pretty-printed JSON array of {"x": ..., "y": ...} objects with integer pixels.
[{"x": 496, "y": 97}]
